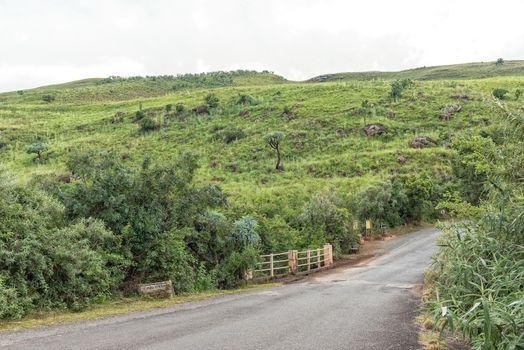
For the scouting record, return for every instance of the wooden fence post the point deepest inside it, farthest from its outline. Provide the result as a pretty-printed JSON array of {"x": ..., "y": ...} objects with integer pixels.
[
  {"x": 292, "y": 261},
  {"x": 271, "y": 271},
  {"x": 318, "y": 258},
  {"x": 328, "y": 254}
]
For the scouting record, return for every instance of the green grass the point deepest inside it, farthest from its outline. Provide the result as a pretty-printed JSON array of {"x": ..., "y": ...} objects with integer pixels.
[{"x": 324, "y": 145}]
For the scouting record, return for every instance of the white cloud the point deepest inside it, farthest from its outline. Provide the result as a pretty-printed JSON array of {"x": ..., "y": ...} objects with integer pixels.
[{"x": 53, "y": 41}]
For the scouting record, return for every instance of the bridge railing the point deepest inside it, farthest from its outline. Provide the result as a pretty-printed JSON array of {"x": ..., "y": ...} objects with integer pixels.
[{"x": 292, "y": 262}]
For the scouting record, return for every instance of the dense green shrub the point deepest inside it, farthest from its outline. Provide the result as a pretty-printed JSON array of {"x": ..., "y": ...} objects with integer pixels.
[
  {"x": 48, "y": 98},
  {"x": 148, "y": 124},
  {"x": 228, "y": 135},
  {"x": 398, "y": 86},
  {"x": 244, "y": 99},
  {"x": 324, "y": 219},
  {"x": 500, "y": 93},
  {"x": 478, "y": 276},
  {"x": 180, "y": 108},
  {"x": 211, "y": 101},
  {"x": 46, "y": 264}
]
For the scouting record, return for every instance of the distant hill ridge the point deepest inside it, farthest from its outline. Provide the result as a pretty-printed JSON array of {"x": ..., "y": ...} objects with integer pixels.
[
  {"x": 477, "y": 70},
  {"x": 125, "y": 88}
]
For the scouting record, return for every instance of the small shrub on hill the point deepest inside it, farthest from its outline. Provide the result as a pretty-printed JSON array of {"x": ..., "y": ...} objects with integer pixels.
[
  {"x": 148, "y": 124},
  {"x": 500, "y": 93},
  {"x": 48, "y": 98},
  {"x": 211, "y": 101}
]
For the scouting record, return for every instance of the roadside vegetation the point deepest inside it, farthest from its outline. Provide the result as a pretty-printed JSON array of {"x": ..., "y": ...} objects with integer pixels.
[
  {"x": 477, "y": 280},
  {"x": 120, "y": 181}
]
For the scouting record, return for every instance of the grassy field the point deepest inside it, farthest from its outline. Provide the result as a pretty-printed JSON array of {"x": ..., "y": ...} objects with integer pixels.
[{"x": 325, "y": 144}]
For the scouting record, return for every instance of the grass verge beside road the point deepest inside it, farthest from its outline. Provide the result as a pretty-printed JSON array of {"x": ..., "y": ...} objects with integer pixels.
[{"x": 117, "y": 307}]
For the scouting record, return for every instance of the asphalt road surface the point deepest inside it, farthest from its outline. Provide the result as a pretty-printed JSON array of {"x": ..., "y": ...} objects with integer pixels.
[{"x": 368, "y": 306}]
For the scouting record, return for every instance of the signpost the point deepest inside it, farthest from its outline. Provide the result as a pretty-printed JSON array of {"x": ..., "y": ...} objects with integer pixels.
[
  {"x": 164, "y": 288},
  {"x": 368, "y": 227}
]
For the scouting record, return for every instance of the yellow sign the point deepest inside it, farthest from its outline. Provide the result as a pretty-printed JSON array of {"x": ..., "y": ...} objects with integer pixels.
[
  {"x": 368, "y": 224},
  {"x": 355, "y": 225}
]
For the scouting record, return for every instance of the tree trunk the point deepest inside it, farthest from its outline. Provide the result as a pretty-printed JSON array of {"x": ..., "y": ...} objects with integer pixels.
[{"x": 278, "y": 159}]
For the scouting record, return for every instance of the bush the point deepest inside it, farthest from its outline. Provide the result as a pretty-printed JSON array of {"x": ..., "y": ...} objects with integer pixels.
[
  {"x": 180, "y": 108},
  {"x": 229, "y": 135},
  {"x": 48, "y": 98},
  {"x": 500, "y": 93},
  {"x": 244, "y": 99},
  {"x": 153, "y": 210},
  {"x": 211, "y": 101},
  {"x": 148, "y": 124},
  {"x": 139, "y": 115},
  {"x": 232, "y": 270},
  {"x": 398, "y": 86},
  {"x": 324, "y": 220},
  {"x": 45, "y": 264}
]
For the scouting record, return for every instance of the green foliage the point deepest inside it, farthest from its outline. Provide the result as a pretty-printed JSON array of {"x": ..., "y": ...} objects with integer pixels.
[
  {"x": 37, "y": 148},
  {"x": 211, "y": 101},
  {"x": 244, "y": 233},
  {"x": 499, "y": 93},
  {"x": 229, "y": 135},
  {"x": 398, "y": 86},
  {"x": 139, "y": 115},
  {"x": 518, "y": 93},
  {"x": 147, "y": 124},
  {"x": 273, "y": 140},
  {"x": 48, "y": 98},
  {"x": 168, "y": 107},
  {"x": 45, "y": 263},
  {"x": 244, "y": 99},
  {"x": 232, "y": 270},
  {"x": 324, "y": 219},
  {"x": 478, "y": 276},
  {"x": 116, "y": 193},
  {"x": 180, "y": 108},
  {"x": 499, "y": 62}
]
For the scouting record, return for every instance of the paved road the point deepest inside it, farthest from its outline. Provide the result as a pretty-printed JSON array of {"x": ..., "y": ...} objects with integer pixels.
[{"x": 368, "y": 306}]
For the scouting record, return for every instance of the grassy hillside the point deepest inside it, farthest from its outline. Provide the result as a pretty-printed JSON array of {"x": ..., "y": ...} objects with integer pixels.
[
  {"x": 325, "y": 143},
  {"x": 479, "y": 70},
  {"x": 125, "y": 203}
]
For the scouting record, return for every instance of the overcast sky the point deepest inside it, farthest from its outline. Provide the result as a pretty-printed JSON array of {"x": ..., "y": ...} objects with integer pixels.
[{"x": 51, "y": 41}]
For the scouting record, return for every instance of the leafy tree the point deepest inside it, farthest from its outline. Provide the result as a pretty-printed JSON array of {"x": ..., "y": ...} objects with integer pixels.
[
  {"x": 500, "y": 93},
  {"x": 499, "y": 62},
  {"x": 274, "y": 139},
  {"x": 48, "y": 98},
  {"x": 37, "y": 148},
  {"x": 211, "y": 101}
]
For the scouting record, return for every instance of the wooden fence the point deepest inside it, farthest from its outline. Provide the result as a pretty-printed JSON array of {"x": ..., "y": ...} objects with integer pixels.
[{"x": 293, "y": 262}]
